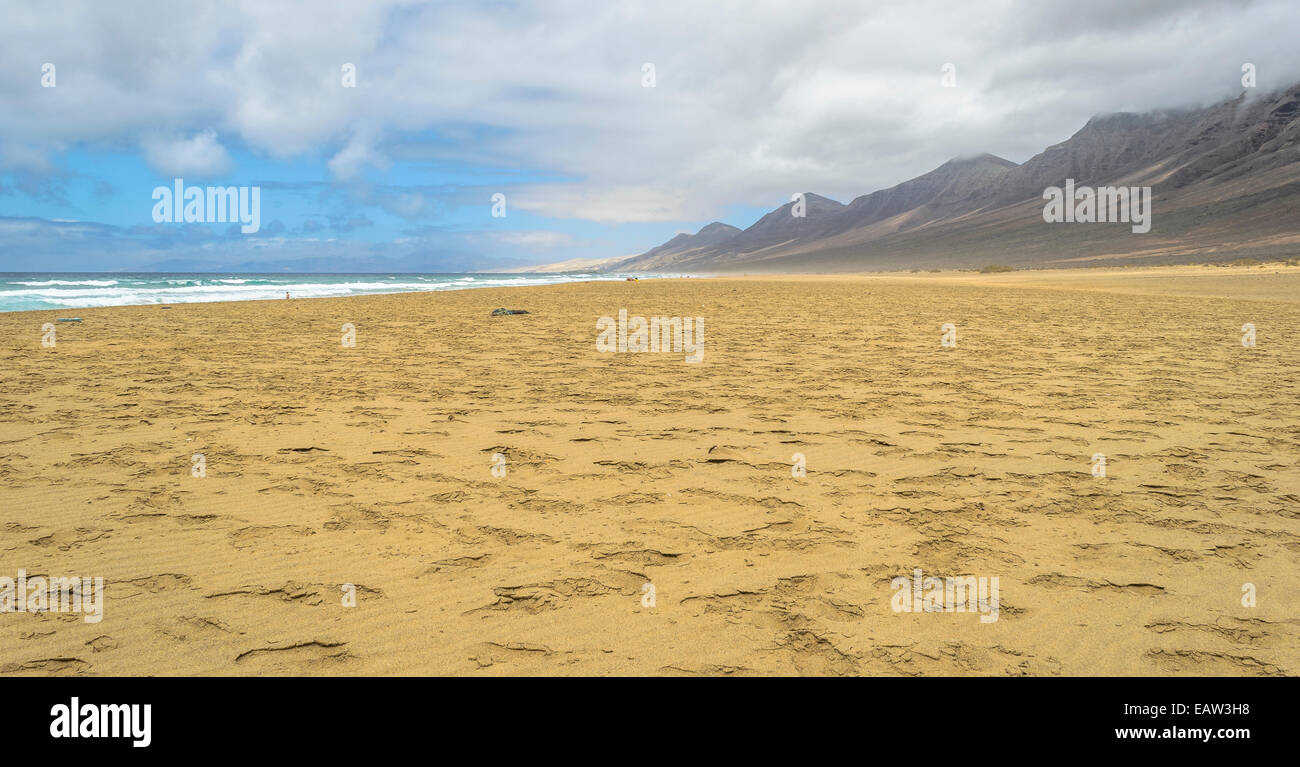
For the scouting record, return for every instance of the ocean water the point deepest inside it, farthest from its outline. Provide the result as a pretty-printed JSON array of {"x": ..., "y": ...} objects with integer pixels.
[{"x": 24, "y": 292}]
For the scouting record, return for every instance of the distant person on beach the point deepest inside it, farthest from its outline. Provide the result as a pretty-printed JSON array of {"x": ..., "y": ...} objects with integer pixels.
[{"x": 286, "y": 295}]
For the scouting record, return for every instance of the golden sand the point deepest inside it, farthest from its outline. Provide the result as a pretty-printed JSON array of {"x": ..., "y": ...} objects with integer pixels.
[{"x": 373, "y": 465}]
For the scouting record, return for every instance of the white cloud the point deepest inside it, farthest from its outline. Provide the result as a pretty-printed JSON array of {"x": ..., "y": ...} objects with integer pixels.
[
  {"x": 751, "y": 102},
  {"x": 540, "y": 239},
  {"x": 354, "y": 158},
  {"x": 589, "y": 202},
  {"x": 201, "y": 155}
]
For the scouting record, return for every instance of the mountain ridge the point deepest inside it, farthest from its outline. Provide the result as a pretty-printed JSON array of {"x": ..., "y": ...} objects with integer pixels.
[{"x": 1223, "y": 179}]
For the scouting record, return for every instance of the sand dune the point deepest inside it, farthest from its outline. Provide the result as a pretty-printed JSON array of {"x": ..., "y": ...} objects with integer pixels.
[{"x": 373, "y": 466}]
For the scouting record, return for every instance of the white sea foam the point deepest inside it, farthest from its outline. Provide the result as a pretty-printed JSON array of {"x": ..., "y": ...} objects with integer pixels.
[{"x": 51, "y": 283}]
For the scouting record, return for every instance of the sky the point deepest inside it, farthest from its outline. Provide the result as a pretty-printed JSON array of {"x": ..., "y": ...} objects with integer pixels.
[{"x": 379, "y": 132}]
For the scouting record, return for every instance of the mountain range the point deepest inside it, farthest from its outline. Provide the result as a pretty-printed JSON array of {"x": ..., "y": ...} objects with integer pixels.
[{"x": 1225, "y": 183}]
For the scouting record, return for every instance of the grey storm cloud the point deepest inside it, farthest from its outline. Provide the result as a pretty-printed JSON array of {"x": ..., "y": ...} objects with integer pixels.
[{"x": 751, "y": 101}]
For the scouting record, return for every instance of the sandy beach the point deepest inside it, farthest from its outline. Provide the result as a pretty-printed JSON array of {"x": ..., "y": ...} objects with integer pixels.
[{"x": 650, "y": 519}]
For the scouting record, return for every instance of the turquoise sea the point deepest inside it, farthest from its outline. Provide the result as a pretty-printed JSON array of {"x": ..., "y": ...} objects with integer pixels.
[{"x": 23, "y": 292}]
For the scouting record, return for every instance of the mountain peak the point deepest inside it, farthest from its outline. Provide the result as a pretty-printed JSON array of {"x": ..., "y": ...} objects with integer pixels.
[
  {"x": 983, "y": 158},
  {"x": 814, "y": 197}
]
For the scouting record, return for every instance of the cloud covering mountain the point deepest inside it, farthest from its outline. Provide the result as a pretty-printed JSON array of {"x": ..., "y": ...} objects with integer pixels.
[{"x": 1226, "y": 181}]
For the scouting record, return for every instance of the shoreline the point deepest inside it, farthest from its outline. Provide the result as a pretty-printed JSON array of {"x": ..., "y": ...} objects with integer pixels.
[
  {"x": 73, "y": 291},
  {"x": 1102, "y": 278}
]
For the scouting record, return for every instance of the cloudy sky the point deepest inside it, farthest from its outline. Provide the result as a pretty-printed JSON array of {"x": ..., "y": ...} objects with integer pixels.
[{"x": 548, "y": 104}]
